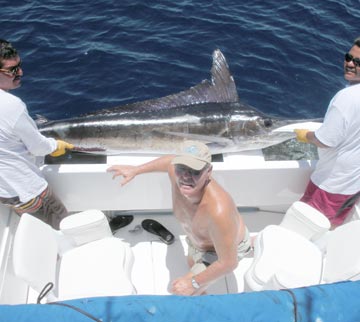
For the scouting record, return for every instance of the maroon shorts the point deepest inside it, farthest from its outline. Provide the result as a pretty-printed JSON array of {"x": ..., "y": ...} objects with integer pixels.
[{"x": 327, "y": 203}]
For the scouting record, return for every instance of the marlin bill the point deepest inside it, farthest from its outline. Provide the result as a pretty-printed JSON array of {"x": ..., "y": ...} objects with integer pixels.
[{"x": 210, "y": 112}]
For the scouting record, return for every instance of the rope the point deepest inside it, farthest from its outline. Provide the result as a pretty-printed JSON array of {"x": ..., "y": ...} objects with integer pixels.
[
  {"x": 294, "y": 301},
  {"x": 48, "y": 287},
  {"x": 348, "y": 203}
]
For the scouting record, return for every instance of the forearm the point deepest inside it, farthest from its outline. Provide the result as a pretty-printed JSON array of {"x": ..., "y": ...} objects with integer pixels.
[
  {"x": 184, "y": 285},
  {"x": 214, "y": 272},
  {"x": 160, "y": 164},
  {"x": 311, "y": 137}
]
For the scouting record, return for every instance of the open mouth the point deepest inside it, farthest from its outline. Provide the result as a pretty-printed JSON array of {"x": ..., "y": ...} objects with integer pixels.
[
  {"x": 350, "y": 70},
  {"x": 186, "y": 184}
]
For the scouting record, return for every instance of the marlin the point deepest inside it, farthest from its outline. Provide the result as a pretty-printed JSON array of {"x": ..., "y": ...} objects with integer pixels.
[{"x": 210, "y": 112}]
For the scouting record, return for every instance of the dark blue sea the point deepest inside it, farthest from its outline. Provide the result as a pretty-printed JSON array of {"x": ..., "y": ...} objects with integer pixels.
[{"x": 83, "y": 55}]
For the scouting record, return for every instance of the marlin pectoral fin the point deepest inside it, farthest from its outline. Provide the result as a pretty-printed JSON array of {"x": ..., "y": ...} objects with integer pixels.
[
  {"x": 311, "y": 126},
  {"x": 203, "y": 138}
]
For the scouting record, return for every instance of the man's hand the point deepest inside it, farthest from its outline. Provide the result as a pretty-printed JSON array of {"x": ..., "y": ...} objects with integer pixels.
[
  {"x": 183, "y": 285},
  {"x": 127, "y": 171},
  {"x": 62, "y": 146},
  {"x": 301, "y": 135}
]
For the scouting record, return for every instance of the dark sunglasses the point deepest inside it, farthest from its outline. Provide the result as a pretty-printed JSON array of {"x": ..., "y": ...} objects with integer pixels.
[
  {"x": 12, "y": 70},
  {"x": 180, "y": 169},
  {"x": 349, "y": 58}
]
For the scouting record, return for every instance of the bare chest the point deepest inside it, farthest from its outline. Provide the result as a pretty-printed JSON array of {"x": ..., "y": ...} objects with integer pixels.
[{"x": 194, "y": 222}]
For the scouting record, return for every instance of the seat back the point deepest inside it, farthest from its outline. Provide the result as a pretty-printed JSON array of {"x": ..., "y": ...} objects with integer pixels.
[
  {"x": 35, "y": 252},
  {"x": 342, "y": 259},
  {"x": 305, "y": 220}
]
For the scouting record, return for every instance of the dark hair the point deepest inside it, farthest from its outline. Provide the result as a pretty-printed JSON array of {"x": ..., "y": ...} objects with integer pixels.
[
  {"x": 357, "y": 41},
  {"x": 7, "y": 51}
]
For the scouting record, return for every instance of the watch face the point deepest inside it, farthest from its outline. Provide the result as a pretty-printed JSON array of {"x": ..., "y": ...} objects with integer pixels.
[{"x": 194, "y": 283}]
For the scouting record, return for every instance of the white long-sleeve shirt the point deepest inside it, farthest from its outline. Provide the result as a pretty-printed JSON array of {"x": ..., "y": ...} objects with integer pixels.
[
  {"x": 20, "y": 142},
  {"x": 338, "y": 168}
]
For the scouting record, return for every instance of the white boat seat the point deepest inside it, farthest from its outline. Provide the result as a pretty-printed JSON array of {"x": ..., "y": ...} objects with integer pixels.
[
  {"x": 100, "y": 267},
  {"x": 285, "y": 259},
  {"x": 280, "y": 250}
]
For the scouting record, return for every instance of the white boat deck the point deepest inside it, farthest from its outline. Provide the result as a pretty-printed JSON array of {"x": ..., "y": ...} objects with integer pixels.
[
  {"x": 157, "y": 264},
  {"x": 265, "y": 188}
]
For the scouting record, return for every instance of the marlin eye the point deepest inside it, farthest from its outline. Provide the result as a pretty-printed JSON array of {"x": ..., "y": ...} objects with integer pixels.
[{"x": 268, "y": 122}]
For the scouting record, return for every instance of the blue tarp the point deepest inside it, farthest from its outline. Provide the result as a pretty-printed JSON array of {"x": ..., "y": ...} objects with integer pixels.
[{"x": 338, "y": 302}]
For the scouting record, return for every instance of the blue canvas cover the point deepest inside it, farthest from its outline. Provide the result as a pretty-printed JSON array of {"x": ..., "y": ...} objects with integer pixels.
[{"x": 338, "y": 302}]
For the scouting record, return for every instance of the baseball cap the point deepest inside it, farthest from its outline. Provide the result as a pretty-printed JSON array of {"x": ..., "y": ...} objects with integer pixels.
[{"x": 194, "y": 154}]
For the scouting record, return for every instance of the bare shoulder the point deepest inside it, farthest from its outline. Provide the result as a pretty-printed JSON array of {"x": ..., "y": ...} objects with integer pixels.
[{"x": 219, "y": 202}]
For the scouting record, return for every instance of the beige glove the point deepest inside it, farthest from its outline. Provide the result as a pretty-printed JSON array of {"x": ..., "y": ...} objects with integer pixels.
[
  {"x": 62, "y": 146},
  {"x": 301, "y": 135}
]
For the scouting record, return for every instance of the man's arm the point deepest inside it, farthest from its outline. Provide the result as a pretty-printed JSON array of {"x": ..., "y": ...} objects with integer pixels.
[
  {"x": 128, "y": 172},
  {"x": 306, "y": 136},
  {"x": 223, "y": 232}
]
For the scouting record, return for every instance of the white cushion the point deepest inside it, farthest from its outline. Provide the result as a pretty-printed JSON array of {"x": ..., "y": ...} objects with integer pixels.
[
  {"x": 100, "y": 268},
  {"x": 278, "y": 250},
  {"x": 284, "y": 279},
  {"x": 86, "y": 226},
  {"x": 305, "y": 220}
]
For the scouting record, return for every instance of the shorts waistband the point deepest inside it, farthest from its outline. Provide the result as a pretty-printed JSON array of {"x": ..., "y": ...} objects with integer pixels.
[{"x": 33, "y": 204}]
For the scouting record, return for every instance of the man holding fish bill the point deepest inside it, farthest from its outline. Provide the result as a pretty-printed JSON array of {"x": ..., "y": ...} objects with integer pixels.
[
  {"x": 22, "y": 186},
  {"x": 216, "y": 234},
  {"x": 335, "y": 183}
]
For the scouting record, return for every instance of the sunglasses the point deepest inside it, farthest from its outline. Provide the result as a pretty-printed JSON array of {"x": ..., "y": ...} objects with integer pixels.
[
  {"x": 349, "y": 58},
  {"x": 181, "y": 169},
  {"x": 12, "y": 70}
]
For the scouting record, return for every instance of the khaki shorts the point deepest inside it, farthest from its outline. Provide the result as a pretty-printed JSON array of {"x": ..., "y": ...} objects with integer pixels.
[{"x": 202, "y": 259}]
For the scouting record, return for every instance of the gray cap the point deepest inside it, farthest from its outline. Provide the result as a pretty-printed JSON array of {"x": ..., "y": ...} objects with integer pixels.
[{"x": 194, "y": 154}]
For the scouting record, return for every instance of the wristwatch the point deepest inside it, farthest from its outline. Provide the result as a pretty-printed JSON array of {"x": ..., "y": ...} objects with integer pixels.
[{"x": 194, "y": 283}]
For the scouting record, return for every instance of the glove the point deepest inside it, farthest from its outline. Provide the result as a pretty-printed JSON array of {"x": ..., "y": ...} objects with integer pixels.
[
  {"x": 61, "y": 148},
  {"x": 301, "y": 135}
]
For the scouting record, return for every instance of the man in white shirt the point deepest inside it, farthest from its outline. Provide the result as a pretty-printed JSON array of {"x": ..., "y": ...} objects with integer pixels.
[
  {"x": 22, "y": 186},
  {"x": 336, "y": 178}
]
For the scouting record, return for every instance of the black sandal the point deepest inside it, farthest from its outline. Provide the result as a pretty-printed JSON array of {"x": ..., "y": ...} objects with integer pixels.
[
  {"x": 120, "y": 221},
  {"x": 154, "y": 227}
]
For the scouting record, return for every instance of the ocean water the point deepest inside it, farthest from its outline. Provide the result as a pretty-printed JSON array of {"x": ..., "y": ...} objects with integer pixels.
[{"x": 80, "y": 56}]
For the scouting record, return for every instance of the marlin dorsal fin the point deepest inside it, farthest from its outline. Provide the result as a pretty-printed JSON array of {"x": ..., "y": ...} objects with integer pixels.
[{"x": 221, "y": 89}]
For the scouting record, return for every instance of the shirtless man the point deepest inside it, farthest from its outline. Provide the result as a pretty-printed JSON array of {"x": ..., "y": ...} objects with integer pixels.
[{"x": 216, "y": 234}]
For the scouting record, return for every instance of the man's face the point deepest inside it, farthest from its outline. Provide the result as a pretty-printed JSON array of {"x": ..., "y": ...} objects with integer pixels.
[
  {"x": 352, "y": 66},
  {"x": 190, "y": 181},
  {"x": 10, "y": 73}
]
